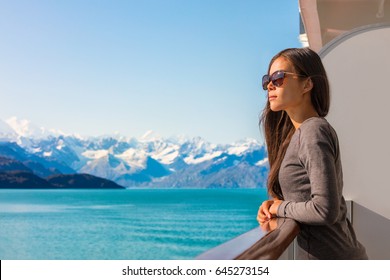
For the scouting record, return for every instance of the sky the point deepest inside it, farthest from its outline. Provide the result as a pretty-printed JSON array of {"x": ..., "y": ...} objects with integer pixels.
[{"x": 177, "y": 67}]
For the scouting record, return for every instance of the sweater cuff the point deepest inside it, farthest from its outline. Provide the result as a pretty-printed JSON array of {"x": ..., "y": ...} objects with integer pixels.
[{"x": 282, "y": 209}]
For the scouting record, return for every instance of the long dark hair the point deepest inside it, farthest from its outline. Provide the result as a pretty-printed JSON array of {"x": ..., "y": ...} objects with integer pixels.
[{"x": 278, "y": 128}]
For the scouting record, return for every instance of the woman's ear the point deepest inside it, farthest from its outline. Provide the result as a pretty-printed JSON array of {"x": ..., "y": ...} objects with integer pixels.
[{"x": 308, "y": 86}]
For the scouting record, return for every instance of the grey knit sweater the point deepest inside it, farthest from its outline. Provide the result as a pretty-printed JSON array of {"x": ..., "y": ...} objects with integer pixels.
[{"x": 311, "y": 180}]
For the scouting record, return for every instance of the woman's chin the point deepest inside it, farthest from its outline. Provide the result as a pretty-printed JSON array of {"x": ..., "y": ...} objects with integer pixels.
[{"x": 275, "y": 108}]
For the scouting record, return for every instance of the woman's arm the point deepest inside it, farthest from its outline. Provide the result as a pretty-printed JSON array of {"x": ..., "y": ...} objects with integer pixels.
[{"x": 318, "y": 153}]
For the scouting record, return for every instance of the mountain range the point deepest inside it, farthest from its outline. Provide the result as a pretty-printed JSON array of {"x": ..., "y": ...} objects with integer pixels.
[{"x": 148, "y": 161}]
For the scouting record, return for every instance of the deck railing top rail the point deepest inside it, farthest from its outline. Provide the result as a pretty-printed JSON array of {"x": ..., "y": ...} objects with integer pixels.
[{"x": 266, "y": 242}]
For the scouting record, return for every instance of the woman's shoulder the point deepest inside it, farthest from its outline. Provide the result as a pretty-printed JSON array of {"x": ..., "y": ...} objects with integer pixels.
[
  {"x": 316, "y": 135},
  {"x": 317, "y": 127},
  {"x": 314, "y": 122}
]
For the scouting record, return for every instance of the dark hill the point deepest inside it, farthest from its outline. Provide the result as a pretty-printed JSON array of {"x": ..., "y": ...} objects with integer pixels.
[
  {"x": 81, "y": 181},
  {"x": 16, "y": 175},
  {"x": 22, "y": 180},
  {"x": 9, "y": 164}
]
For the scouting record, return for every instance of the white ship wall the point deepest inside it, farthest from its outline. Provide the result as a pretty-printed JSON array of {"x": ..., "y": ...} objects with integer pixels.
[{"x": 358, "y": 66}]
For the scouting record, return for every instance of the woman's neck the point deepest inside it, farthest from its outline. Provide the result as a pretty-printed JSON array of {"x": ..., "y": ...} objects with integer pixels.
[{"x": 298, "y": 117}]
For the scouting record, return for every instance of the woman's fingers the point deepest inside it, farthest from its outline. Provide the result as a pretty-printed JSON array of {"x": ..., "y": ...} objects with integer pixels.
[
  {"x": 266, "y": 205},
  {"x": 261, "y": 218},
  {"x": 263, "y": 214}
]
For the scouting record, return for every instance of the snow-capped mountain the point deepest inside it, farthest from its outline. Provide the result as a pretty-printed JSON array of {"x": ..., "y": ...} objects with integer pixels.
[
  {"x": 25, "y": 128},
  {"x": 7, "y": 132},
  {"x": 149, "y": 161}
]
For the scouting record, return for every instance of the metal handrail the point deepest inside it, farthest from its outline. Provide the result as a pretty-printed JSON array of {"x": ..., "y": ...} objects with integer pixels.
[
  {"x": 274, "y": 243},
  {"x": 268, "y": 241}
]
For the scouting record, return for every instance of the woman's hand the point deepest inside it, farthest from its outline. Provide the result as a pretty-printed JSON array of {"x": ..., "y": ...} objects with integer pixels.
[{"x": 268, "y": 209}]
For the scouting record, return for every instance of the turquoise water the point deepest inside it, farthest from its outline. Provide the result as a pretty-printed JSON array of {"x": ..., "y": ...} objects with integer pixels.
[{"x": 122, "y": 224}]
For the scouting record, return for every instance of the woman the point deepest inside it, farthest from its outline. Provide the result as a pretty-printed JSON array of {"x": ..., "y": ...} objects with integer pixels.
[{"x": 305, "y": 178}]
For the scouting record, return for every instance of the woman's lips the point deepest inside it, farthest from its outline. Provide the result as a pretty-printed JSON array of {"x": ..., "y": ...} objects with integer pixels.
[{"x": 271, "y": 97}]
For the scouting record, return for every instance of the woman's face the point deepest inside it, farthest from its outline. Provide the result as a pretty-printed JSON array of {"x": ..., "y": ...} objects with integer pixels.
[{"x": 290, "y": 95}]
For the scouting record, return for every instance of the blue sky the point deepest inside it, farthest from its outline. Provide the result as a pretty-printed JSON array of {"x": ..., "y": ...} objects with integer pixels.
[{"x": 175, "y": 67}]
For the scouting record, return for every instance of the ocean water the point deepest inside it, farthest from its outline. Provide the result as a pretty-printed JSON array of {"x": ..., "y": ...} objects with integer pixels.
[{"x": 122, "y": 224}]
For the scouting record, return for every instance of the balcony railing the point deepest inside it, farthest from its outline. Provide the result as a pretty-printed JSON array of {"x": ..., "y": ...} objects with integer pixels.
[{"x": 266, "y": 242}]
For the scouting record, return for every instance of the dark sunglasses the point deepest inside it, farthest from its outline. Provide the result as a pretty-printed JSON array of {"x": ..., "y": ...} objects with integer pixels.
[{"x": 276, "y": 78}]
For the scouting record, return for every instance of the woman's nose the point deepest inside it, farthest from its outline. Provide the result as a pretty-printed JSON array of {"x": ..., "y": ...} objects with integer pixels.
[{"x": 270, "y": 86}]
